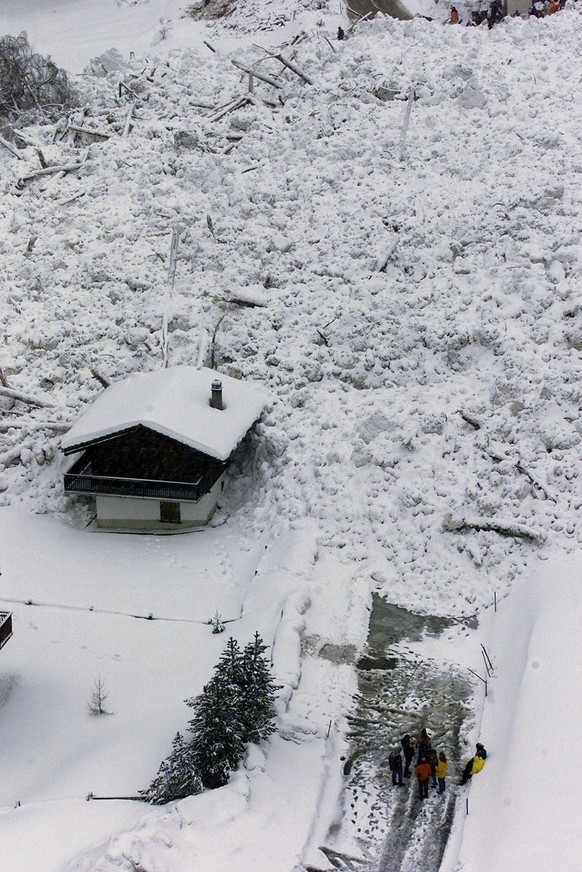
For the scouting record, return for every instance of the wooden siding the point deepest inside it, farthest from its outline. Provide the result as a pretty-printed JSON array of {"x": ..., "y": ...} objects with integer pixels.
[{"x": 142, "y": 463}]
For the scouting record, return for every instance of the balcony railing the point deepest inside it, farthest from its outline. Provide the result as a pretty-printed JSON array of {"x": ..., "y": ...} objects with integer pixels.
[
  {"x": 84, "y": 483},
  {"x": 5, "y": 627}
]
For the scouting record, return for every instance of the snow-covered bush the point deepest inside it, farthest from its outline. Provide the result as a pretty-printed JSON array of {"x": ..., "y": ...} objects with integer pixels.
[{"x": 31, "y": 83}]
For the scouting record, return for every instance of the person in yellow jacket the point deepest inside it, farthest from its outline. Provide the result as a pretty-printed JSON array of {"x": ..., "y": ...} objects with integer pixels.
[
  {"x": 476, "y": 763},
  {"x": 441, "y": 772}
]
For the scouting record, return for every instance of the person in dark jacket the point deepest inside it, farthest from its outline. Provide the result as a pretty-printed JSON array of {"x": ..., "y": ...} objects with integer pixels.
[
  {"x": 407, "y": 743},
  {"x": 423, "y": 745},
  {"x": 395, "y": 764},
  {"x": 423, "y": 772},
  {"x": 433, "y": 759}
]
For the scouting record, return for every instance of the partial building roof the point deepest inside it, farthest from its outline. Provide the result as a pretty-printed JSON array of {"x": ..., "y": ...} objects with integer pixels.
[{"x": 175, "y": 402}]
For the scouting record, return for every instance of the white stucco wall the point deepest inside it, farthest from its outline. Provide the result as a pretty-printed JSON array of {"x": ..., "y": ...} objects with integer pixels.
[{"x": 131, "y": 513}]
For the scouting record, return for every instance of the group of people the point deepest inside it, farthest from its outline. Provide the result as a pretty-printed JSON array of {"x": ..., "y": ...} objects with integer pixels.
[
  {"x": 431, "y": 766},
  {"x": 494, "y": 13}
]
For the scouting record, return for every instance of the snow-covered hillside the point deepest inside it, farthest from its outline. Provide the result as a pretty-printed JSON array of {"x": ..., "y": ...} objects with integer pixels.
[{"x": 404, "y": 210}]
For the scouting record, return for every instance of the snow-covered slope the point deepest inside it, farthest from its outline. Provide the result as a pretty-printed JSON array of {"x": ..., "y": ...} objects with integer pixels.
[{"x": 408, "y": 220}]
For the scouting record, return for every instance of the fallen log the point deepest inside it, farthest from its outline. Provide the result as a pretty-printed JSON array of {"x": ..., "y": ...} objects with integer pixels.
[
  {"x": 24, "y": 398},
  {"x": 289, "y": 64},
  {"x": 47, "y": 171},
  {"x": 78, "y": 129},
  {"x": 9, "y": 147},
  {"x": 469, "y": 420},
  {"x": 262, "y": 76},
  {"x": 100, "y": 379},
  {"x": 519, "y": 467},
  {"x": 28, "y": 140},
  {"x": 57, "y": 426},
  {"x": 535, "y": 481},
  {"x": 127, "y": 125},
  {"x": 238, "y": 103},
  {"x": 505, "y": 528}
]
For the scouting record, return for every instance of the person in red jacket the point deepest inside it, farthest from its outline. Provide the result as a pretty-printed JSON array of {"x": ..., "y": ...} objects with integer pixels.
[{"x": 423, "y": 773}]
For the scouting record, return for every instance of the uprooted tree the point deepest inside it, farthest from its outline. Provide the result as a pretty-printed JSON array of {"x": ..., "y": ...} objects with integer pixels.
[{"x": 31, "y": 83}]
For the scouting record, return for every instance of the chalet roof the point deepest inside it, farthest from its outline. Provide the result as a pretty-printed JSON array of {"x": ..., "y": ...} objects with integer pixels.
[{"x": 175, "y": 402}]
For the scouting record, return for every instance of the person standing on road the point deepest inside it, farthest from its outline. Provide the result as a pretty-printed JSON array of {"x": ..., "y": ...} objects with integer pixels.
[
  {"x": 422, "y": 772},
  {"x": 395, "y": 764},
  {"x": 433, "y": 759},
  {"x": 408, "y": 747},
  {"x": 441, "y": 772},
  {"x": 423, "y": 745}
]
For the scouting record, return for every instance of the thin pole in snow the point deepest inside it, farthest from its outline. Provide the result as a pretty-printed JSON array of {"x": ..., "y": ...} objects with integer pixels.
[
  {"x": 487, "y": 659},
  {"x": 484, "y": 680},
  {"x": 328, "y": 730},
  {"x": 406, "y": 121},
  {"x": 467, "y": 805},
  {"x": 494, "y": 600}
]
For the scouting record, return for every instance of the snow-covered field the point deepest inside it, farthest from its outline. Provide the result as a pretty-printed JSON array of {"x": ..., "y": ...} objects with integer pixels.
[{"x": 417, "y": 269}]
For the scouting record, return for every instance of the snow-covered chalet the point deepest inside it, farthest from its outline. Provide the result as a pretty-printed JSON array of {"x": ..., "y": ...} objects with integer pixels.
[{"x": 153, "y": 449}]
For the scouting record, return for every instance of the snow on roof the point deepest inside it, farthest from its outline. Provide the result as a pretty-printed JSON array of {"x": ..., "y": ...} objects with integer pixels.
[{"x": 175, "y": 402}]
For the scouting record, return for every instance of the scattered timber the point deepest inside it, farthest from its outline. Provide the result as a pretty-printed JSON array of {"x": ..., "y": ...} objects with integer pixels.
[
  {"x": 262, "y": 76},
  {"x": 289, "y": 64},
  {"x": 47, "y": 171},
  {"x": 468, "y": 419},
  {"x": 11, "y": 148},
  {"x": 235, "y": 104},
  {"x": 88, "y": 130},
  {"x": 103, "y": 381},
  {"x": 57, "y": 426},
  {"x": 505, "y": 528},
  {"x": 24, "y": 398},
  {"x": 127, "y": 124}
]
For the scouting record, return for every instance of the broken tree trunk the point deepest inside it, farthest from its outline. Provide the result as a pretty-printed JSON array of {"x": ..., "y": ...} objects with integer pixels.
[
  {"x": 262, "y": 76},
  {"x": 100, "y": 379},
  {"x": 238, "y": 103},
  {"x": 469, "y": 420},
  {"x": 98, "y": 133},
  {"x": 290, "y": 65},
  {"x": 11, "y": 148},
  {"x": 504, "y": 528},
  {"x": 28, "y": 140},
  {"x": 294, "y": 69},
  {"x": 127, "y": 125},
  {"x": 47, "y": 171},
  {"x": 24, "y": 398},
  {"x": 57, "y": 426}
]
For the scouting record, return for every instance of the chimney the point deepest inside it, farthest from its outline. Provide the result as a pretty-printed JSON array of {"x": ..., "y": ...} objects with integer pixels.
[{"x": 216, "y": 394}]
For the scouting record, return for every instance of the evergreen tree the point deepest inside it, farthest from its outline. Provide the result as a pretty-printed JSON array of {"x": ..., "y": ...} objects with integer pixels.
[
  {"x": 177, "y": 776},
  {"x": 229, "y": 669},
  {"x": 257, "y": 692},
  {"x": 217, "y": 736}
]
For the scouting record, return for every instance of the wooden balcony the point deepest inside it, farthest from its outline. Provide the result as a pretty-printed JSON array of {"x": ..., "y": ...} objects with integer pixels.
[
  {"x": 5, "y": 627},
  {"x": 87, "y": 483}
]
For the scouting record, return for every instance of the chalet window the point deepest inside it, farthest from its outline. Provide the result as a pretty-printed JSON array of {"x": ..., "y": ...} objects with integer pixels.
[{"x": 170, "y": 513}]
